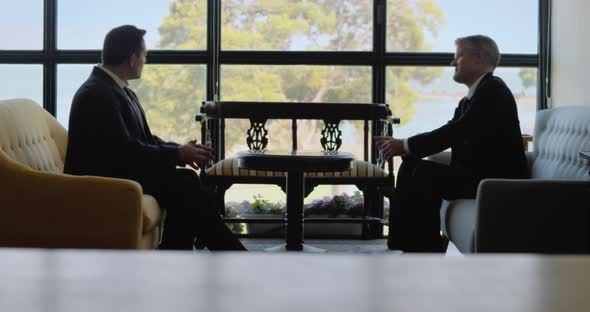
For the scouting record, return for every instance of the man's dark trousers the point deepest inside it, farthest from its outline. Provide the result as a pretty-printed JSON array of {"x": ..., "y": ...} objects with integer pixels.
[
  {"x": 414, "y": 218},
  {"x": 189, "y": 215}
]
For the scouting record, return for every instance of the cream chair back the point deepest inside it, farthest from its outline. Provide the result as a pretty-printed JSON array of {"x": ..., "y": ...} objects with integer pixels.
[{"x": 30, "y": 136}]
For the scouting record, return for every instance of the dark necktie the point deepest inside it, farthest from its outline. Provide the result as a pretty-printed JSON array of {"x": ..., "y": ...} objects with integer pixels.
[{"x": 135, "y": 107}]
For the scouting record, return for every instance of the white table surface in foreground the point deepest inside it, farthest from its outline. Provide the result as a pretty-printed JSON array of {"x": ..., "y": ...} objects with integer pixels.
[{"x": 32, "y": 280}]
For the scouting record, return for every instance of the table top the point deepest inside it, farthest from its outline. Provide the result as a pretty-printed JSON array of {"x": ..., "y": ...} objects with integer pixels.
[
  {"x": 297, "y": 110},
  {"x": 295, "y": 160},
  {"x": 36, "y": 280}
]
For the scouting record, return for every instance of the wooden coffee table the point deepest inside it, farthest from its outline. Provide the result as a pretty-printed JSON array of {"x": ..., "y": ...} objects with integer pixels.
[{"x": 295, "y": 163}]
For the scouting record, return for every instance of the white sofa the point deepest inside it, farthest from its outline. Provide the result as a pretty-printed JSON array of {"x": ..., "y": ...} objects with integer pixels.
[{"x": 548, "y": 213}]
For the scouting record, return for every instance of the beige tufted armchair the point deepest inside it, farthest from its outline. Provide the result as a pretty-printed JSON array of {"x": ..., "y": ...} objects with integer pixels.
[{"x": 42, "y": 207}]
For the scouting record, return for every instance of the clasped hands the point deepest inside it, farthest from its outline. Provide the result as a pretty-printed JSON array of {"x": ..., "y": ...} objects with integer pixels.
[
  {"x": 196, "y": 155},
  {"x": 389, "y": 146}
]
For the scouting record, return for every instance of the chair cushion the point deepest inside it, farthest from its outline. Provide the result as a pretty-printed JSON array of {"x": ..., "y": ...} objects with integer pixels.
[
  {"x": 229, "y": 167},
  {"x": 458, "y": 222},
  {"x": 152, "y": 214},
  {"x": 30, "y": 136}
]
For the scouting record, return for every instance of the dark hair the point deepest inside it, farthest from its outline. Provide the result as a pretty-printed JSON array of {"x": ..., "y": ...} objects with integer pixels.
[{"x": 120, "y": 43}]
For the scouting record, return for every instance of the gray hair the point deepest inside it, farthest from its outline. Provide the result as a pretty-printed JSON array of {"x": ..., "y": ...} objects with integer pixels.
[{"x": 485, "y": 44}]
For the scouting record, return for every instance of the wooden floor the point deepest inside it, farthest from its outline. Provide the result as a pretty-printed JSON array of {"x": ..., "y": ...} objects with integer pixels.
[
  {"x": 329, "y": 245},
  {"x": 146, "y": 281}
]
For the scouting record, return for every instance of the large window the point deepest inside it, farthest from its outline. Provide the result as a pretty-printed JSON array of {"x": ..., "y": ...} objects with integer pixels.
[{"x": 381, "y": 51}]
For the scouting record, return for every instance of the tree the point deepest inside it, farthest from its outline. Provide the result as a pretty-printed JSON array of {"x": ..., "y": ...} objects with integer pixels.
[
  {"x": 172, "y": 95},
  {"x": 528, "y": 76}
]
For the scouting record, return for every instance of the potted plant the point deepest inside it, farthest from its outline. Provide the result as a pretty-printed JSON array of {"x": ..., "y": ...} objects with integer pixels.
[
  {"x": 232, "y": 210},
  {"x": 263, "y": 208},
  {"x": 339, "y": 206}
]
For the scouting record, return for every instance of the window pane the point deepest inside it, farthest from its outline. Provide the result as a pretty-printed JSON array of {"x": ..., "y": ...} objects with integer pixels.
[
  {"x": 170, "y": 95},
  {"x": 21, "y": 25},
  {"x": 425, "y": 97},
  {"x": 21, "y": 81},
  {"x": 287, "y": 25},
  {"x": 177, "y": 25},
  {"x": 423, "y": 26},
  {"x": 347, "y": 84},
  {"x": 69, "y": 79}
]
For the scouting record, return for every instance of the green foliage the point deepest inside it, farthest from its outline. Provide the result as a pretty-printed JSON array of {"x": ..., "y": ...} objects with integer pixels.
[
  {"x": 171, "y": 95},
  {"x": 232, "y": 212},
  {"x": 528, "y": 76},
  {"x": 264, "y": 206}
]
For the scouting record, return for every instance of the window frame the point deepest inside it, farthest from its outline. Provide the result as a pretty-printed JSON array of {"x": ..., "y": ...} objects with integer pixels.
[{"x": 213, "y": 56}]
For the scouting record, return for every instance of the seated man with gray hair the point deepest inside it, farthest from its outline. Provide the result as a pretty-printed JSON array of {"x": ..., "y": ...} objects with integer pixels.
[{"x": 486, "y": 142}]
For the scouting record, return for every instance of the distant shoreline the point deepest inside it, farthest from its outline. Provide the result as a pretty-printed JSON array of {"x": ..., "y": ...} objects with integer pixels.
[{"x": 459, "y": 95}]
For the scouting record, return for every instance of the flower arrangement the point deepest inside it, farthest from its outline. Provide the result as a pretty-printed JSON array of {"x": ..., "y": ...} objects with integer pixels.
[
  {"x": 338, "y": 205},
  {"x": 343, "y": 205}
]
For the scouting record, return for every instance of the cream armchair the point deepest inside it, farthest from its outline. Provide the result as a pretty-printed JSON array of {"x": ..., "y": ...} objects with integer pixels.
[
  {"x": 42, "y": 207},
  {"x": 549, "y": 213}
]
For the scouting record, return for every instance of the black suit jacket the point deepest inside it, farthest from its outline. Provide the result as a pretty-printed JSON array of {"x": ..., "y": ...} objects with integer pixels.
[
  {"x": 109, "y": 136},
  {"x": 484, "y": 134}
]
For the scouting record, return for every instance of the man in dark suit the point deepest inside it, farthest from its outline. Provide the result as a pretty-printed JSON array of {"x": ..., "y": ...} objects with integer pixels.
[
  {"x": 109, "y": 136},
  {"x": 485, "y": 139}
]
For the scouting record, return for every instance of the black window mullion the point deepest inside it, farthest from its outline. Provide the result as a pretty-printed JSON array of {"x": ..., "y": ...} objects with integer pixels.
[
  {"x": 297, "y": 58},
  {"x": 379, "y": 71},
  {"x": 213, "y": 72},
  {"x": 379, "y": 39},
  {"x": 544, "y": 48},
  {"x": 49, "y": 49},
  {"x": 445, "y": 59},
  {"x": 213, "y": 47}
]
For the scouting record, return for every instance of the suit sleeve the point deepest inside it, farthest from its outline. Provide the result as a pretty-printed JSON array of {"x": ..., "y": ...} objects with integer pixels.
[
  {"x": 479, "y": 120},
  {"x": 115, "y": 136},
  {"x": 162, "y": 142}
]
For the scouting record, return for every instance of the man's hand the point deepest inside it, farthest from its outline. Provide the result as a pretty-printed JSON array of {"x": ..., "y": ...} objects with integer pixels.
[
  {"x": 389, "y": 146},
  {"x": 196, "y": 155}
]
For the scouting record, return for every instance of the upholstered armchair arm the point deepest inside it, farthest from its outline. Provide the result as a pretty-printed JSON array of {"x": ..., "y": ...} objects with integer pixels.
[
  {"x": 532, "y": 216},
  {"x": 62, "y": 211}
]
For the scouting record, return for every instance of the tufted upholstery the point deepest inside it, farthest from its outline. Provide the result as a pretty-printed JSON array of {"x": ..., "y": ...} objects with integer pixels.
[
  {"x": 229, "y": 167},
  {"x": 42, "y": 207},
  {"x": 31, "y": 136},
  {"x": 548, "y": 213},
  {"x": 560, "y": 134}
]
